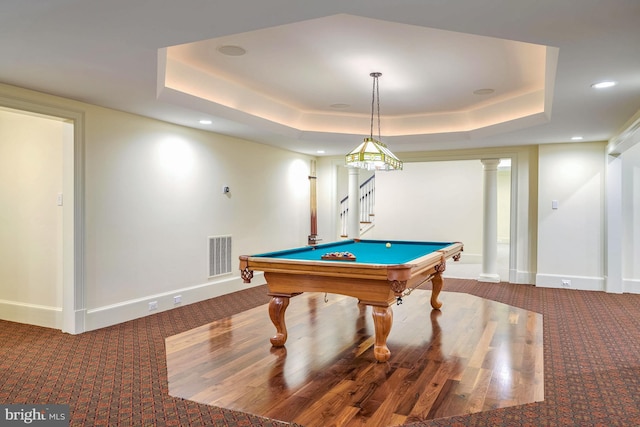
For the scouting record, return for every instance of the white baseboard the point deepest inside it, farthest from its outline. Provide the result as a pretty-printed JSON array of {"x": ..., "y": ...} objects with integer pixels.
[
  {"x": 32, "y": 314},
  {"x": 522, "y": 277},
  {"x": 488, "y": 278},
  {"x": 113, "y": 314},
  {"x": 631, "y": 286},
  {"x": 583, "y": 283}
]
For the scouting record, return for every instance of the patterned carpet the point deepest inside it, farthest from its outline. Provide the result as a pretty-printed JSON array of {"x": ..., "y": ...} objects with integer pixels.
[{"x": 117, "y": 376}]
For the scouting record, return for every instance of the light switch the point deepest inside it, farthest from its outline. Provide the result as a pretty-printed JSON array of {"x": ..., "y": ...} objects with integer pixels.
[
  {"x": 554, "y": 204},
  {"x": 59, "y": 199}
]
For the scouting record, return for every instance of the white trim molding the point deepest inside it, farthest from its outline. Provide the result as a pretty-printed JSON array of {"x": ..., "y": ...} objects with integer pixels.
[
  {"x": 32, "y": 314},
  {"x": 582, "y": 283}
]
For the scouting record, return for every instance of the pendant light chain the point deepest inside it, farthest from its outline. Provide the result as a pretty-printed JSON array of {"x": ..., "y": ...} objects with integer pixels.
[
  {"x": 378, "y": 98},
  {"x": 375, "y": 102}
]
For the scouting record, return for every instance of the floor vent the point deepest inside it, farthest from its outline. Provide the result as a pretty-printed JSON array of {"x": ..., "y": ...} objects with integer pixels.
[{"x": 219, "y": 255}]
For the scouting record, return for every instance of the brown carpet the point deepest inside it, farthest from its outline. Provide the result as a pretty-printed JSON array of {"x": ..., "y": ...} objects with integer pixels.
[{"x": 117, "y": 376}]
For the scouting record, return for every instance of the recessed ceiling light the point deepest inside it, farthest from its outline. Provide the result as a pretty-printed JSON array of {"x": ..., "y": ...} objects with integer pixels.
[
  {"x": 576, "y": 138},
  {"x": 486, "y": 91},
  {"x": 231, "y": 50},
  {"x": 320, "y": 151},
  {"x": 603, "y": 85},
  {"x": 338, "y": 105},
  {"x": 205, "y": 122}
]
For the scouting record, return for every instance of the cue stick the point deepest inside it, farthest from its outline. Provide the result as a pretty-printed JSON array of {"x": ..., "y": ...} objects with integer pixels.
[{"x": 313, "y": 237}]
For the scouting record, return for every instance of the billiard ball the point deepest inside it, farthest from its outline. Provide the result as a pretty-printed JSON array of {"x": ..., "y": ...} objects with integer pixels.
[{"x": 388, "y": 245}]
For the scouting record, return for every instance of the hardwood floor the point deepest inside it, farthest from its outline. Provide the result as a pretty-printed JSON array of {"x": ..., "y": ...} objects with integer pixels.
[{"x": 473, "y": 355}]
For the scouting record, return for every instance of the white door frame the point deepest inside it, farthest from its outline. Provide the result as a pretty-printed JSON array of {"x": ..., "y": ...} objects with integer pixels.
[{"x": 73, "y": 306}]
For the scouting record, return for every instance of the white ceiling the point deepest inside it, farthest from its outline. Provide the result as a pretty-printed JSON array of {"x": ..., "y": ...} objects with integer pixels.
[{"x": 160, "y": 59}]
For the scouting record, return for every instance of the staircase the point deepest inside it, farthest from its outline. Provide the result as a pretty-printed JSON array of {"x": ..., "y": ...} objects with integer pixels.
[{"x": 367, "y": 205}]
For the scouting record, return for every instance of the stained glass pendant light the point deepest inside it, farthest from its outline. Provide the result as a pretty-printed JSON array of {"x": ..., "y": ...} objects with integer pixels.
[{"x": 372, "y": 154}]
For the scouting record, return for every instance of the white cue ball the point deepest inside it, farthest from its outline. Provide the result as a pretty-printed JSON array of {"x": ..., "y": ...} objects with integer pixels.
[{"x": 388, "y": 245}]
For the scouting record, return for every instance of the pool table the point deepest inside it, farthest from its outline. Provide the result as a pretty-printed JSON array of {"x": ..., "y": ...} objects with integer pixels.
[{"x": 377, "y": 272}]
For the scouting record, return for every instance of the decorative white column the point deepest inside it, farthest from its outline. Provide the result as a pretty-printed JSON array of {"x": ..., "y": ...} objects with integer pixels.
[
  {"x": 353, "y": 222},
  {"x": 490, "y": 223}
]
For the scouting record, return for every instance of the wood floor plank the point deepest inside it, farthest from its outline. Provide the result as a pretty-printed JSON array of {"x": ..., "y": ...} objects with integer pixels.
[
  {"x": 416, "y": 383},
  {"x": 480, "y": 351},
  {"x": 472, "y": 355},
  {"x": 478, "y": 393},
  {"x": 327, "y": 408},
  {"x": 388, "y": 398},
  {"x": 430, "y": 399}
]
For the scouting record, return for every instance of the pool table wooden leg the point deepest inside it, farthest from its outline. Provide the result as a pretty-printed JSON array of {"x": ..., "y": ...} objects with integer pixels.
[
  {"x": 436, "y": 285},
  {"x": 277, "y": 307},
  {"x": 382, "y": 320}
]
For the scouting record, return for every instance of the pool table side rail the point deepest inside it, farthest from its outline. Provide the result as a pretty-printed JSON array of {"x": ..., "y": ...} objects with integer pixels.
[
  {"x": 318, "y": 268},
  {"x": 400, "y": 272}
]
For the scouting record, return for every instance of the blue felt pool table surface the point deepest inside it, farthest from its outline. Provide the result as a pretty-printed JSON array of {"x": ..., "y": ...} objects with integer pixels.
[{"x": 365, "y": 251}]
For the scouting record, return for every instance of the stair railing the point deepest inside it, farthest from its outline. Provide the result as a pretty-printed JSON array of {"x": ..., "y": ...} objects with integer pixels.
[{"x": 367, "y": 206}]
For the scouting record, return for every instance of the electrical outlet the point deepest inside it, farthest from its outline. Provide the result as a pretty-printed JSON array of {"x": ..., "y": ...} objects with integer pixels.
[
  {"x": 177, "y": 299},
  {"x": 566, "y": 283},
  {"x": 153, "y": 305}
]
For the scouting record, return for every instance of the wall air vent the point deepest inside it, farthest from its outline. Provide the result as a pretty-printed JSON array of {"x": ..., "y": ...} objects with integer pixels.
[{"x": 219, "y": 255}]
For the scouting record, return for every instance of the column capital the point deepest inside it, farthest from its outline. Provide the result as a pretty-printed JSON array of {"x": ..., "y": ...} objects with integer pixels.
[{"x": 490, "y": 164}]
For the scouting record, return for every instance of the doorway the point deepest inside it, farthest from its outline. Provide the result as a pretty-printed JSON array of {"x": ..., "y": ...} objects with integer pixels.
[{"x": 41, "y": 279}]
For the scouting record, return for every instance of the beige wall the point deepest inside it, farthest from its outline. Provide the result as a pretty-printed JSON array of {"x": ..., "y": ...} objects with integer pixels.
[
  {"x": 154, "y": 195},
  {"x": 432, "y": 201},
  {"x": 571, "y": 238}
]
